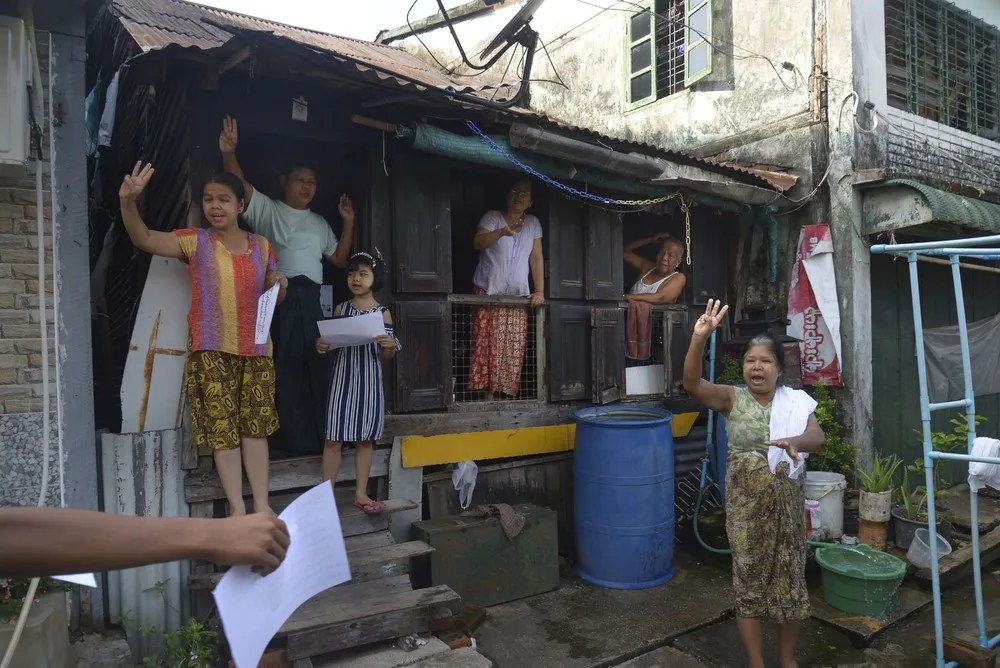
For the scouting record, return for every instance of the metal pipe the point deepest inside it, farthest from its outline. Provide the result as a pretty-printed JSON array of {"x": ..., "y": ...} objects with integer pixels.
[
  {"x": 573, "y": 150},
  {"x": 879, "y": 249},
  {"x": 963, "y": 265},
  {"x": 960, "y": 403},
  {"x": 970, "y": 411},
  {"x": 956, "y": 457},
  {"x": 993, "y": 642},
  {"x": 925, "y": 420},
  {"x": 374, "y": 123},
  {"x": 983, "y": 253}
]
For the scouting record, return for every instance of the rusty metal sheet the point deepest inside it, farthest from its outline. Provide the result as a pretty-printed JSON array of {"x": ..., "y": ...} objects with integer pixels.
[{"x": 142, "y": 477}]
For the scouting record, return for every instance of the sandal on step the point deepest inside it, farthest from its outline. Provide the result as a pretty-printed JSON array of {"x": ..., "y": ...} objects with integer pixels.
[{"x": 370, "y": 508}]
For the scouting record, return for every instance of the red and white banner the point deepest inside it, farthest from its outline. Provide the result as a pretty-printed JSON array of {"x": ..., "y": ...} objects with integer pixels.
[{"x": 813, "y": 308}]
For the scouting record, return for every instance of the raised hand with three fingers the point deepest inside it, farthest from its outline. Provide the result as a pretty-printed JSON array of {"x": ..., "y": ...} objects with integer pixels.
[
  {"x": 715, "y": 311},
  {"x": 229, "y": 137},
  {"x": 134, "y": 183}
]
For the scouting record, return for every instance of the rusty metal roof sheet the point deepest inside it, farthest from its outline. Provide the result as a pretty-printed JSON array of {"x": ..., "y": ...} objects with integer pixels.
[{"x": 157, "y": 24}]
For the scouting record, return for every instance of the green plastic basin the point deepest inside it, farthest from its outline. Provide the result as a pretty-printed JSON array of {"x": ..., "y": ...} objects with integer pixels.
[{"x": 860, "y": 580}]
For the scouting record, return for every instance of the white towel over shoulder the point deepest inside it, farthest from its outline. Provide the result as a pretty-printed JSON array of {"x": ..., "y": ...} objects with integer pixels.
[
  {"x": 984, "y": 474},
  {"x": 790, "y": 411}
]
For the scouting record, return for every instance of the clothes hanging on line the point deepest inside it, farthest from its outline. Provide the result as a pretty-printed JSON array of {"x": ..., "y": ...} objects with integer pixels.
[{"x": 944, "y": 360}]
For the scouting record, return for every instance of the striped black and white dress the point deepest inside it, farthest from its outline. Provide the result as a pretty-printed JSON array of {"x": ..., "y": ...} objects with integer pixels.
[{"x": 356, "y": 411}]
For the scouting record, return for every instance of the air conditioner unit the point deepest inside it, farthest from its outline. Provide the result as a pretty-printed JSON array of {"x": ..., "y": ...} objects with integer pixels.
[{"x": 14, "y": 74}]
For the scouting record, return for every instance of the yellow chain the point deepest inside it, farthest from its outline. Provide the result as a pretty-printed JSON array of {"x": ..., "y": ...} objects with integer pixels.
[
  {"x": 686, "y": 208},
  {"x": 644, "y": 202}
]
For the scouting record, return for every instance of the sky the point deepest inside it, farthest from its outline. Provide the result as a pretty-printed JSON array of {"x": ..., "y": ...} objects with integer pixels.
[{"x": 361, "y": 19}]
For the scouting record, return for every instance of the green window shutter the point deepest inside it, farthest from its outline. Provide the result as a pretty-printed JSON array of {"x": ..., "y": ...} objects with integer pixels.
[
  {"x": 697, "y": 41},
  {"x": 640, "y": 58}
]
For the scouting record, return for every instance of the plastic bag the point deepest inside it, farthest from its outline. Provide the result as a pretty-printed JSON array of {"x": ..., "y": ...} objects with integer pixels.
[{"x": 464, "y": 480}]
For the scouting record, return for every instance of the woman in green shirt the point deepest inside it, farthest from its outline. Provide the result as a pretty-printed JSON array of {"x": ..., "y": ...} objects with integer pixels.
[{"x": 765, "y": 511}]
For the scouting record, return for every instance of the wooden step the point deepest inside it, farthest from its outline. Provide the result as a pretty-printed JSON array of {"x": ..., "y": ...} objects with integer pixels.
[
  {"x": 366, "y": 564},
  {"x": 286, "y": 474},
  {"x": 360, "y": 614}
]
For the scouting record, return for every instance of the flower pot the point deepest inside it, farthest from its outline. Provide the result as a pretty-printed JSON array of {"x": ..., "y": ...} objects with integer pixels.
[
  {"x": 904, "y": 528},
  {"x": 875, "y": 506},
  {"x": 45, "y": 640},
  {"x": 873, "y": 534}
]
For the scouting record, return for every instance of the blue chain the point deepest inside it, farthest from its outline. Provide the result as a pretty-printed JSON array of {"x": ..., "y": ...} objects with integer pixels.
[{"x": 555, "y": 184}]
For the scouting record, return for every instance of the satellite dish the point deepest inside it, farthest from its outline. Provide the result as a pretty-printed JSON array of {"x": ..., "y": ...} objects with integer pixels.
[{"x": 511, "y": 29}]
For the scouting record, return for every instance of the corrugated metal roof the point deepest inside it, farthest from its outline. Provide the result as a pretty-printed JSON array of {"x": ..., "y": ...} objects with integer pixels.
[
  {"x": 948, "y": 207},
  {"x": 157, "y": 24}
]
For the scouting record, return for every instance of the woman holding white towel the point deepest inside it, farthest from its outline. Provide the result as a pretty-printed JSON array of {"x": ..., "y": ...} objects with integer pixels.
[{"x": 764, "y": 509}]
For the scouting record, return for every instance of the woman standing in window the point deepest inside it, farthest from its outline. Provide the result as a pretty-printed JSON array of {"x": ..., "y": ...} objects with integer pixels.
[{"x": 510, "y": 247}]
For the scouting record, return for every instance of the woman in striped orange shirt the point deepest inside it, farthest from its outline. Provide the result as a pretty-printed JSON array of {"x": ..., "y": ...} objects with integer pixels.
[{"x": 230, "y": 378}]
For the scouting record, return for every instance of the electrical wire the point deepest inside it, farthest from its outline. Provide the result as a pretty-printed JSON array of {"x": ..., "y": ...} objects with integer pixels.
[
  {"x": 451, "y": 71},
  {"x": 553, "y": 66}
]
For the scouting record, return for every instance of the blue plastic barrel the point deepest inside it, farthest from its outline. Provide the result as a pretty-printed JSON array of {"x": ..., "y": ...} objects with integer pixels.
[{"x": 623, "y": 496}]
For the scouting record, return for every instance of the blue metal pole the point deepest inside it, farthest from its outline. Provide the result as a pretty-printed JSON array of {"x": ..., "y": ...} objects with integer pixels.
[
  {"x": 962, "y": 243},
  {"x": 925, "y": 419},
  {"x": 970, "y": 414}
]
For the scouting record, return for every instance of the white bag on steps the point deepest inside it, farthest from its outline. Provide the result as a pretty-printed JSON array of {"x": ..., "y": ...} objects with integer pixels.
[{"x": 464, "y": 480}]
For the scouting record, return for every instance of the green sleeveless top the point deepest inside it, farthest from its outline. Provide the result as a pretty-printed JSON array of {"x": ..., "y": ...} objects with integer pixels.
[{"x": 749, "y": 424}]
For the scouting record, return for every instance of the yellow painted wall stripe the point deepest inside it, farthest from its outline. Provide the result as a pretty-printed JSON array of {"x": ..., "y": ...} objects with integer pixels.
[{"x": 485, "y": 445}]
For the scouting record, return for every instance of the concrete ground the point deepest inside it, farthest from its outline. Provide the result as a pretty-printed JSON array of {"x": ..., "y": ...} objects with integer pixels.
[{"x": 688, "y": 623}]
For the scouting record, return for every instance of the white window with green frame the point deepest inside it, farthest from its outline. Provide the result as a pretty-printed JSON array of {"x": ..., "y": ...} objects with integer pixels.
[{"x": 669, "y": 47}]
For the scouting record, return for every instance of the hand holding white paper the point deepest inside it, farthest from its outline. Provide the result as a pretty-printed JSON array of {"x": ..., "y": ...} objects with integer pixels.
[
  {"x": 356, "y": 330},
  {"x": 253, "y": 608}
]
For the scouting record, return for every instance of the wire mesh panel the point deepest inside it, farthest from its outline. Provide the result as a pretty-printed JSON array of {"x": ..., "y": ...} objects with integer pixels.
[
  {"x": 492, "y": 376},
  {"x": 669, "y": 47},
  {"x": 942, "y": 64}
]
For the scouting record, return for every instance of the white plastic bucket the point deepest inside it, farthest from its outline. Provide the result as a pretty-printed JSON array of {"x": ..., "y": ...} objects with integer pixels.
[
  {"x": 875, "y": 506},
  {"x": 919, "y": 553},
  {"x": 828, "y": 489}
]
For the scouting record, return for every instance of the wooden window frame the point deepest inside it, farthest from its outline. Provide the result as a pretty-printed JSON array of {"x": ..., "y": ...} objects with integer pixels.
[
  {"x": 631, "y": 44},
  {"x": 694, "y": 40}
]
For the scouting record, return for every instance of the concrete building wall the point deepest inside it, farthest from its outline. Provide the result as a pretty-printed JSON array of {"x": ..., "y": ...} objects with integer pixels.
[{"x": 587, "y": 46}]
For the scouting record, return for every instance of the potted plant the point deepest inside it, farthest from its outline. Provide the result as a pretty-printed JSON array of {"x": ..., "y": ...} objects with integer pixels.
[
  {"x": 875, "y": 503},
  {"x": 912, "y": 514}
]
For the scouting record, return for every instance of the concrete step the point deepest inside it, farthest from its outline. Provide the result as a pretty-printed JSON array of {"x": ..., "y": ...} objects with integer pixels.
[
  {"x": 465, "y": 657},
  {"x": 381, "y": 655}
]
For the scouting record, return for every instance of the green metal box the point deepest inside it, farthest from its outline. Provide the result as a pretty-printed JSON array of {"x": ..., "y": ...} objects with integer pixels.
[{"x": 476, "y": 559}]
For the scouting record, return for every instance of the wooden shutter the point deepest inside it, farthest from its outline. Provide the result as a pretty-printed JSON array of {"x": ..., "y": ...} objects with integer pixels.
[
  {"x": 423, "y": 366},
  {"x": 697, "y": 41},
  {"x": 421, "y": 218},
  {"x": 709, "y": 254},
  {"x": 567, "y": 244},
  {"x": 608, "y": 353},
  {"x": 676, "y": 339},
  {"x": 569, "y": 353},
  {"x": 604, "y": 255}
]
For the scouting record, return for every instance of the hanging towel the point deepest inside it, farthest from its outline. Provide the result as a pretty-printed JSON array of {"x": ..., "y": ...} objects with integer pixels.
[
  {"x": 106, "y": 127},
  {"x": 982, "y": 474},
  {"x": 790, "y": 411},
  {"x": 639, "y": 330}
]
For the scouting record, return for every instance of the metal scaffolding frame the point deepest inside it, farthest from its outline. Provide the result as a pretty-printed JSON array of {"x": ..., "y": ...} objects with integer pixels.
[{"x": 953, "y": 250}]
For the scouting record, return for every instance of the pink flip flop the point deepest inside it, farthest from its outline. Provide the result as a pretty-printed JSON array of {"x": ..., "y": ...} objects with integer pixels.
[{"x": 370, "y": 508}]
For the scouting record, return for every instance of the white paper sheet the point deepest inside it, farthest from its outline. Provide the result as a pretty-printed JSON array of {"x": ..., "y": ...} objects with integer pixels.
[
  {"x": 82, "y": 579},
  {"x": 253, "y": 608},
  {"x": 356, "y": 330},
  {"x": 265, "y": 312}
]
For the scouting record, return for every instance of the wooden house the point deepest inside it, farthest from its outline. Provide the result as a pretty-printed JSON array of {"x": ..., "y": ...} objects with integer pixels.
[{"x": 399, "y": 136}]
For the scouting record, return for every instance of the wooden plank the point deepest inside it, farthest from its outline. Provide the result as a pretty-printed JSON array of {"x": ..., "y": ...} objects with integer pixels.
[
  {"x": 458, "y": 423},
  {"x": 967, "y": 654},
  {"x": 201, "y": 601},
  {"x": 404, "y": 483},
  {"x": 286, "y": 474},
  {"x": 366, "y": 565},
  {"x": 346, "y": 617},
  {"x": 486, "y": 445},
  {"x": 368, "y": 541}
]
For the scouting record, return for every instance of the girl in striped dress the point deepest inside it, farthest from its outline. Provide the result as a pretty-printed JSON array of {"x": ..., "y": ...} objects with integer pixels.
[{"x": 356, "y": 408}]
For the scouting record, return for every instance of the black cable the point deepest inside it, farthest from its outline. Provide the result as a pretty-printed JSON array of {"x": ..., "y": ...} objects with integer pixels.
[
  {"x": 554, "y": 70},
  {"x": 503, "y": 77},
  {"x": 450, "y": 71}
]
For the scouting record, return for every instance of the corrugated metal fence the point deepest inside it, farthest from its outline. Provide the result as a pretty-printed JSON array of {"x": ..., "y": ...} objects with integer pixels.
[{"x": 142, "y": 476}]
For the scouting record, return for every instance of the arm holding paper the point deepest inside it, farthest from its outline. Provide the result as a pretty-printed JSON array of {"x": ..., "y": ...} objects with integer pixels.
[{"x": 42, "y": 542}]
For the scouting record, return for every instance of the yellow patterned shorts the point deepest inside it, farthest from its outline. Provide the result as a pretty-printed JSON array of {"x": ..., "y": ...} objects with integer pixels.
[{"x": 230, "y": 396}]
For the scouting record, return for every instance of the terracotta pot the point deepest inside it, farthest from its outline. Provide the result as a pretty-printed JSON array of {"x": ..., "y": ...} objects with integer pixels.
[{"x": 873, "y": 534}]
